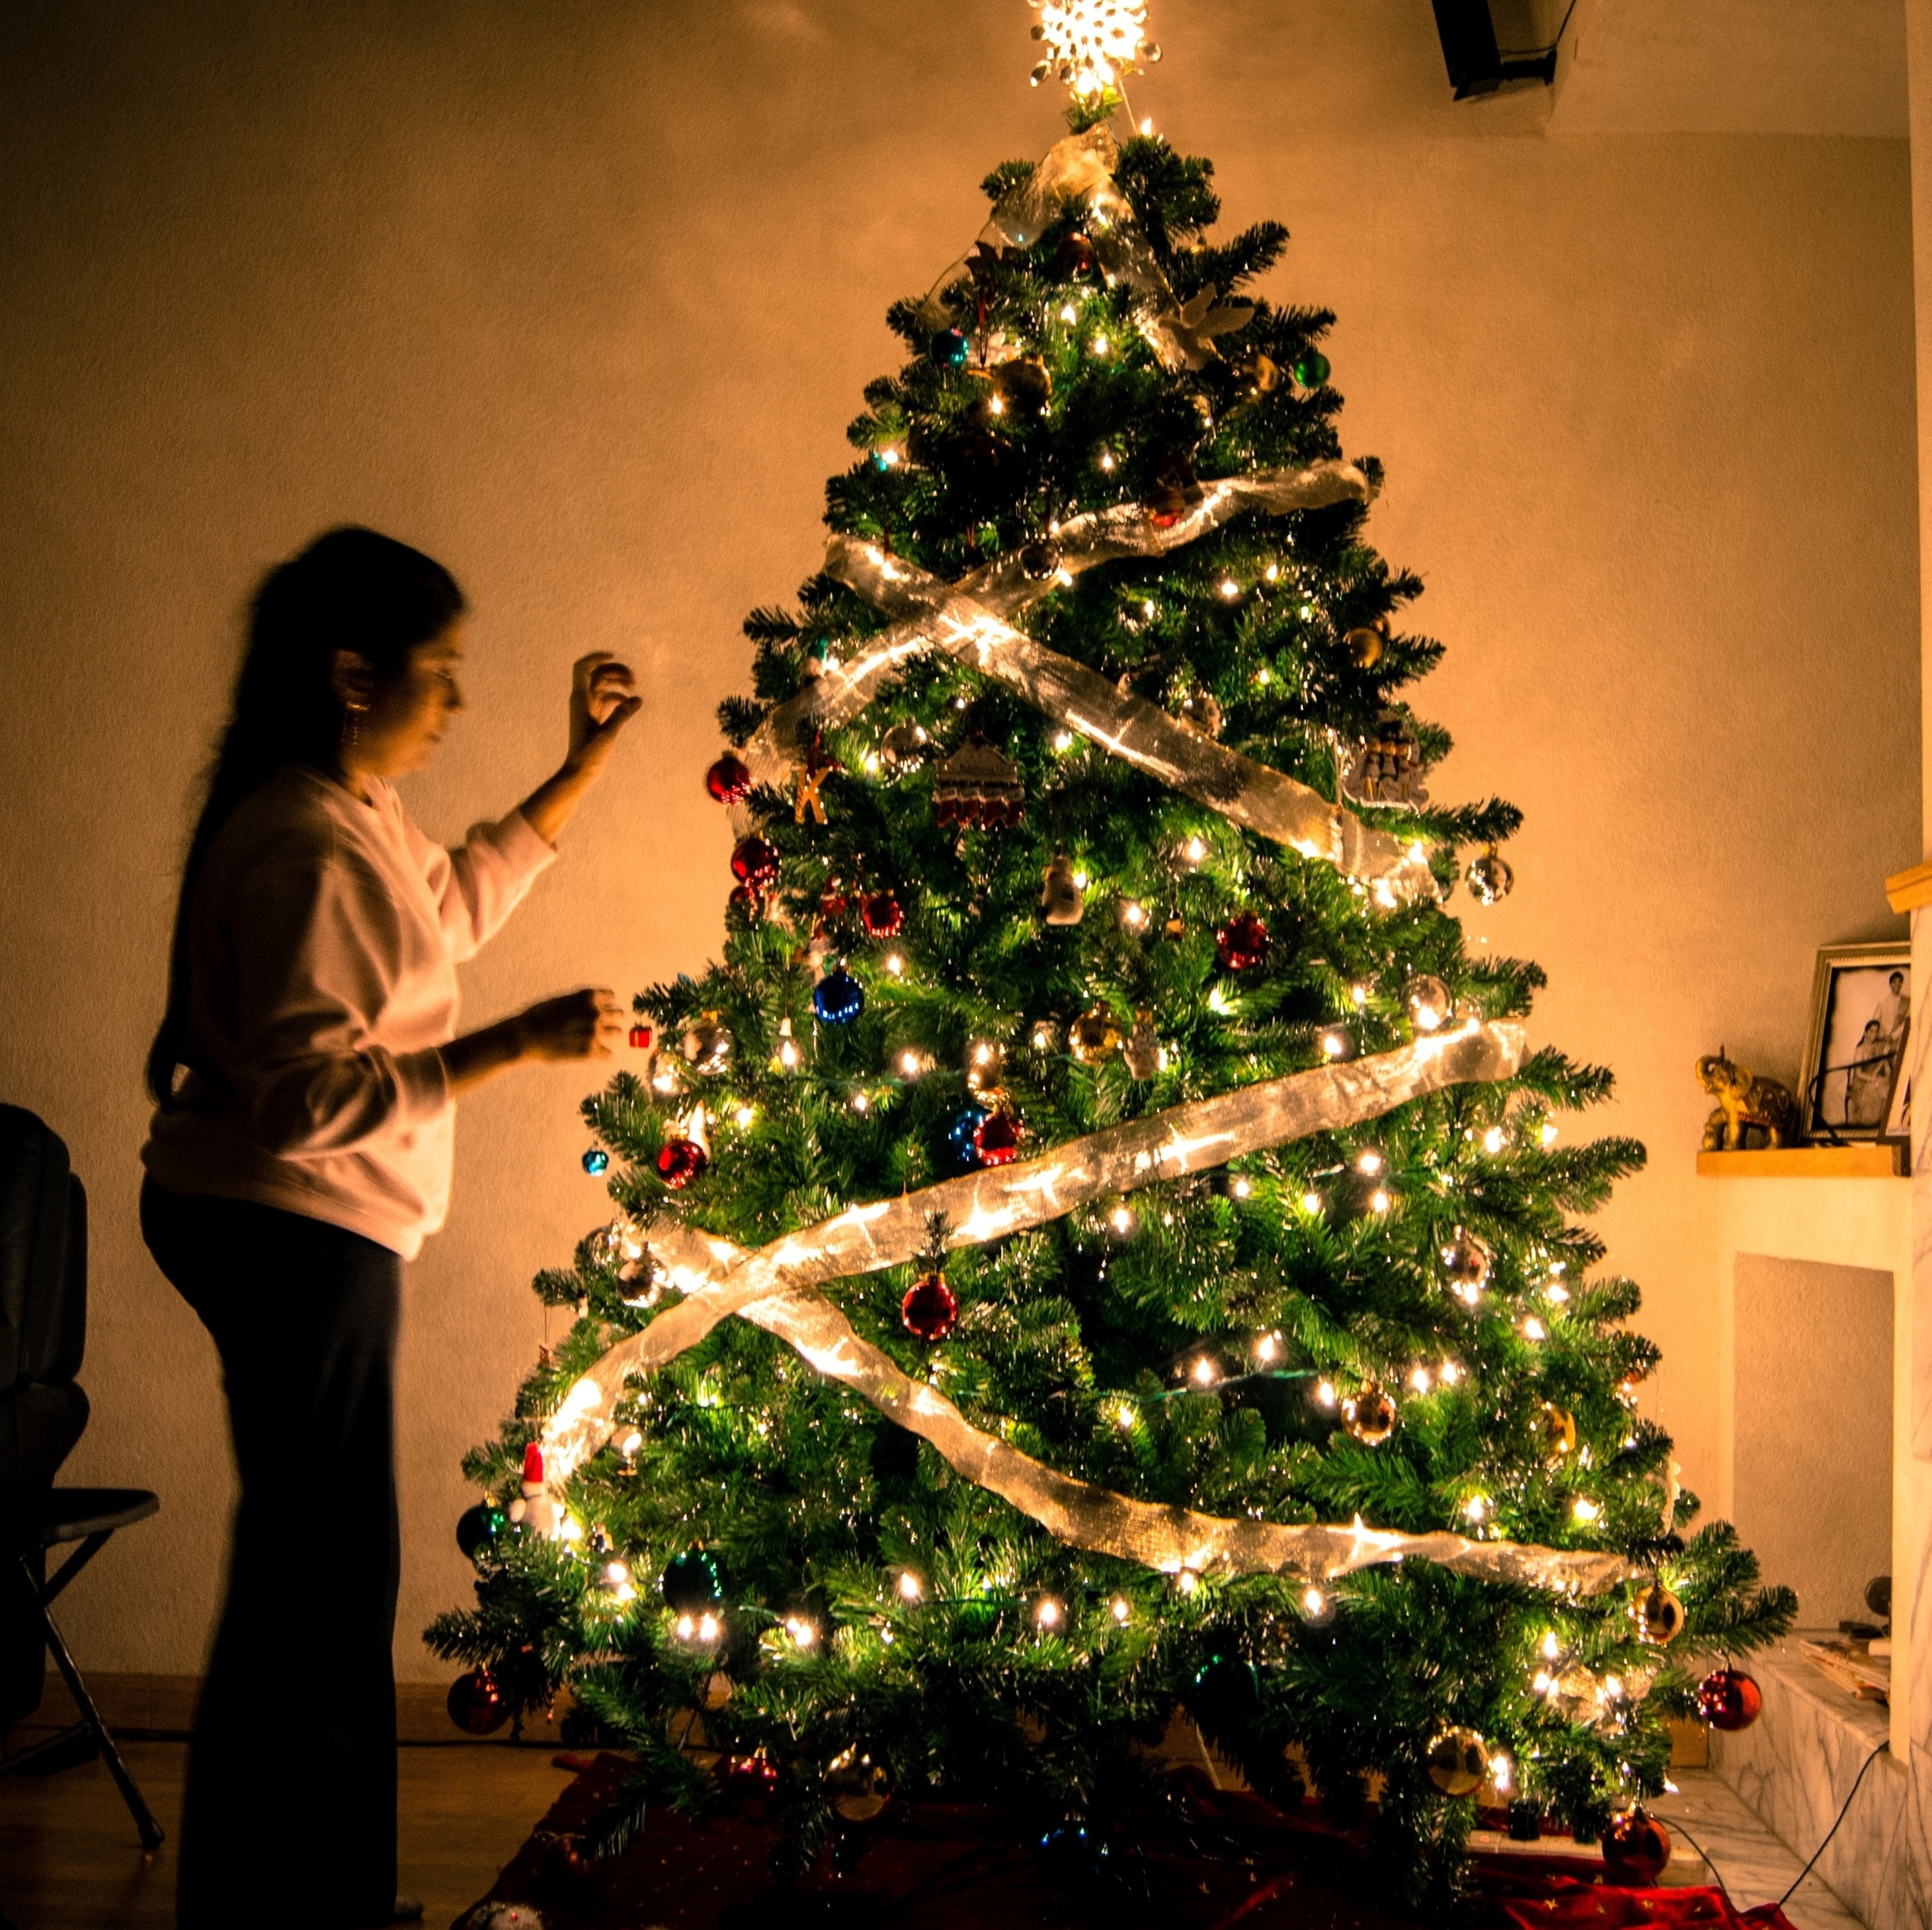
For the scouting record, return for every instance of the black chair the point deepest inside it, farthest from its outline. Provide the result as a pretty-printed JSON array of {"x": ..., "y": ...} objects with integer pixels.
[{"x": 43, "y": 1330}]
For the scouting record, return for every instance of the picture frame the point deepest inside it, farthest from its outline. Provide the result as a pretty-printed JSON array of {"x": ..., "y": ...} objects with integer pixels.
[{"x": 1855, "y": 1054}]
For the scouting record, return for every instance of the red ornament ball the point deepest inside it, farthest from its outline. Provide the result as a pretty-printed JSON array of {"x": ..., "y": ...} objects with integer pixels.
[
  {"x": 1728, "y": 1700},
  {"x": 748, "y": 1780},
  {"x": 640, "y": 1038},
  {"x": 1636, "y": 1847},
  {"x": 997, "y": 1140},
  {"x": 729, "y": 780},
  {"x": 1241, "y": 943},
  {"x": 748, "y": 901},
  {"x": 884, "y": 914},
  {"x": 682, "y": 1161},
  {"x": 477, "y": 1703},
  {"x": 754, "y": 862},
  {"x": 929, "y": 1309},
  {"x": 1075, "y": 257}
]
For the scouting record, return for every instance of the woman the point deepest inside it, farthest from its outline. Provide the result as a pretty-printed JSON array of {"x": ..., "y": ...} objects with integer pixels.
[
  {"x": 304, "y": 1079},
  {"x": 1868, "y": 1083}
]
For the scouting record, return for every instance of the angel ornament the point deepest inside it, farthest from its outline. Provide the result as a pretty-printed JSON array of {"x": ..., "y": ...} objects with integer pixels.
[{"x": 1193, "y": 326}]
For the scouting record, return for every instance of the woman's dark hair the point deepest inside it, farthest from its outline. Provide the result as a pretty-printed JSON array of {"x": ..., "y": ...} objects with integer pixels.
[{"x": 350, "y": 590}]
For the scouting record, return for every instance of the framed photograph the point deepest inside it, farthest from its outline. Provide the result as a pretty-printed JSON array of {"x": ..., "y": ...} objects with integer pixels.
[{"x": 1854, "y": 1087}]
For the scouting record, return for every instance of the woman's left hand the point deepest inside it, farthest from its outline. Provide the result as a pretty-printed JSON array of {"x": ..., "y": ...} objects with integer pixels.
[{"x": 603, "y": 700}]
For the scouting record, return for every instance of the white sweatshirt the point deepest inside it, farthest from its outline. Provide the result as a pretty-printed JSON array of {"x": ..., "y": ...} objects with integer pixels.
[{"x": 324, "y": 936}]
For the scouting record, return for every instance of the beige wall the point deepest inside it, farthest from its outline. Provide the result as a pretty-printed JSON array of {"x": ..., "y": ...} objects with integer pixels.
[
  {"x": 582, "y": 298},
  {"x": 1813, "y": 1447}
]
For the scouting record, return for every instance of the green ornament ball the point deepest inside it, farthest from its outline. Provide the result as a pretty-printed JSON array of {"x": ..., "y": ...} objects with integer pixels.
[
  {"x": 1310, "y": 370},
  {"x": 691, "y": 1581}
]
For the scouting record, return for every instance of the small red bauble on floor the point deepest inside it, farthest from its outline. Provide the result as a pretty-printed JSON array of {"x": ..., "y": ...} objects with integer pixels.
[
  {"x": 754, "y": 862},
  {"x": 729, "y": 780},
  {"x": 929, "y": 1309},
  {"x": 997, "y": 1140},
  {"x": 1636, "y": 1847},
  {"x": 477, "y": 1703},
  {"x": 1241, "y": 943},
  {"x": 1728, "y": 1699},
  {"x": 884, "y": 914},
  {"x": 682, "y": 1161}
]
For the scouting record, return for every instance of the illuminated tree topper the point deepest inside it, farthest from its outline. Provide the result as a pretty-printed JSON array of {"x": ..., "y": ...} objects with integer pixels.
[{"x": 1092, "y": 44}]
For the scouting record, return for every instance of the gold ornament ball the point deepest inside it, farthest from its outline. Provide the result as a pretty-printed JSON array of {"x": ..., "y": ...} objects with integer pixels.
[
  {"x": 1431, "y": 1002},
  {"x": 1095, "y": 1035},
  {"x": 1370, "y": 1415},
  {"x": 1466, "y": 1264},
  {"x": 1024, "y": 386},
  {"x": 1658, "y": 1614},
  {"x": 1555, "y": 1433},
  {"x": 707, "y": 1044},
  {"x": 858, "y": 1787},
  {"x": 904, "y": 748},
  {"x": 1458, "y": 1760},
  {"x": 1489, "y": 878},
  {"x": 985, "y": 1065},
  {"x": 1364, "y": 645}
]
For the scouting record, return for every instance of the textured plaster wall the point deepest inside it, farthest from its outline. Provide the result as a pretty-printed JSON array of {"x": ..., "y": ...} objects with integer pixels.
[{"x": 581, "y": 298}]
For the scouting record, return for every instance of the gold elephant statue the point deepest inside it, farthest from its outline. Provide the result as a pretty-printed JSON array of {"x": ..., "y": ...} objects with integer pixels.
[{"x": 1745, "y": 1103}]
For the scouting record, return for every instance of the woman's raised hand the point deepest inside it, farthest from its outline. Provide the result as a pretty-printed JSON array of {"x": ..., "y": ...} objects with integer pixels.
[
  {"x": 582, "y": 1024},
  {"x": 603, "y": 700}
]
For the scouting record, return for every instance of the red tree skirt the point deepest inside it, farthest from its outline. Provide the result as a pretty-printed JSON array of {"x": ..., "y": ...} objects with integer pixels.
[{"x": 958, "y": 1867}]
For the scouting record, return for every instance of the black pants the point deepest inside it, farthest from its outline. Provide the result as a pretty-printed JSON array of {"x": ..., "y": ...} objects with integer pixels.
[{"x": 290, "y": 1812}]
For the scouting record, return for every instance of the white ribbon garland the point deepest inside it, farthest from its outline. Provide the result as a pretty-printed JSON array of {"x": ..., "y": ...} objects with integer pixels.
[{"x": 775, "y": 1288}]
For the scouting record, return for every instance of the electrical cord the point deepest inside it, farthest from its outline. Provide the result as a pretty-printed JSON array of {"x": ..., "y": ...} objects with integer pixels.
[
  {"x": 1710, "y": 1863},
  {"x": 1833, "y": 1831},
  {"x": 1724, "y": 1889}
]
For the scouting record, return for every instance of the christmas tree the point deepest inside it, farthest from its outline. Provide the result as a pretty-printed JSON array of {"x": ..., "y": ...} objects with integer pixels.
[{"x": 1096, "y": 1247}]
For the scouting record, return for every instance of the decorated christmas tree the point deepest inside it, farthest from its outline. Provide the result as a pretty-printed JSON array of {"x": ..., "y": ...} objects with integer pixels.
[{"x": 1096, "y": 1251}]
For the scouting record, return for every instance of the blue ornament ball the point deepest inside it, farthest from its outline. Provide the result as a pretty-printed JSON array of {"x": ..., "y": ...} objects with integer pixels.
[
  {"x": 838, "y": 998},
  {"x": 948, "y": 349},
  {"x": 959, "y": 1134},
  {"x": 596, "y": 1161}
]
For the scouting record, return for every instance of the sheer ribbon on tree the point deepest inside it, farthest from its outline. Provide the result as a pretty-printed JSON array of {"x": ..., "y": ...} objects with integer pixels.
[
  {"x": 775, "y": 1288},
  {"x": 973, "y": 621}
]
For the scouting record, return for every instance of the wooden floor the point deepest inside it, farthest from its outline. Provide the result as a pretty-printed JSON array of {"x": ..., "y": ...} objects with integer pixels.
[{"x": 70, "y": 1858}]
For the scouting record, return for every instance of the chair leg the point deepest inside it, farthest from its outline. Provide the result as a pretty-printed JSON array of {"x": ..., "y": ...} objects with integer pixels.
[{"x": 152, "y": 1836}]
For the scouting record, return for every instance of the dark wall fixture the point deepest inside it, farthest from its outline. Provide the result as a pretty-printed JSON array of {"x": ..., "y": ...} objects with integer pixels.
[{"x": 1478, "y": 62}]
